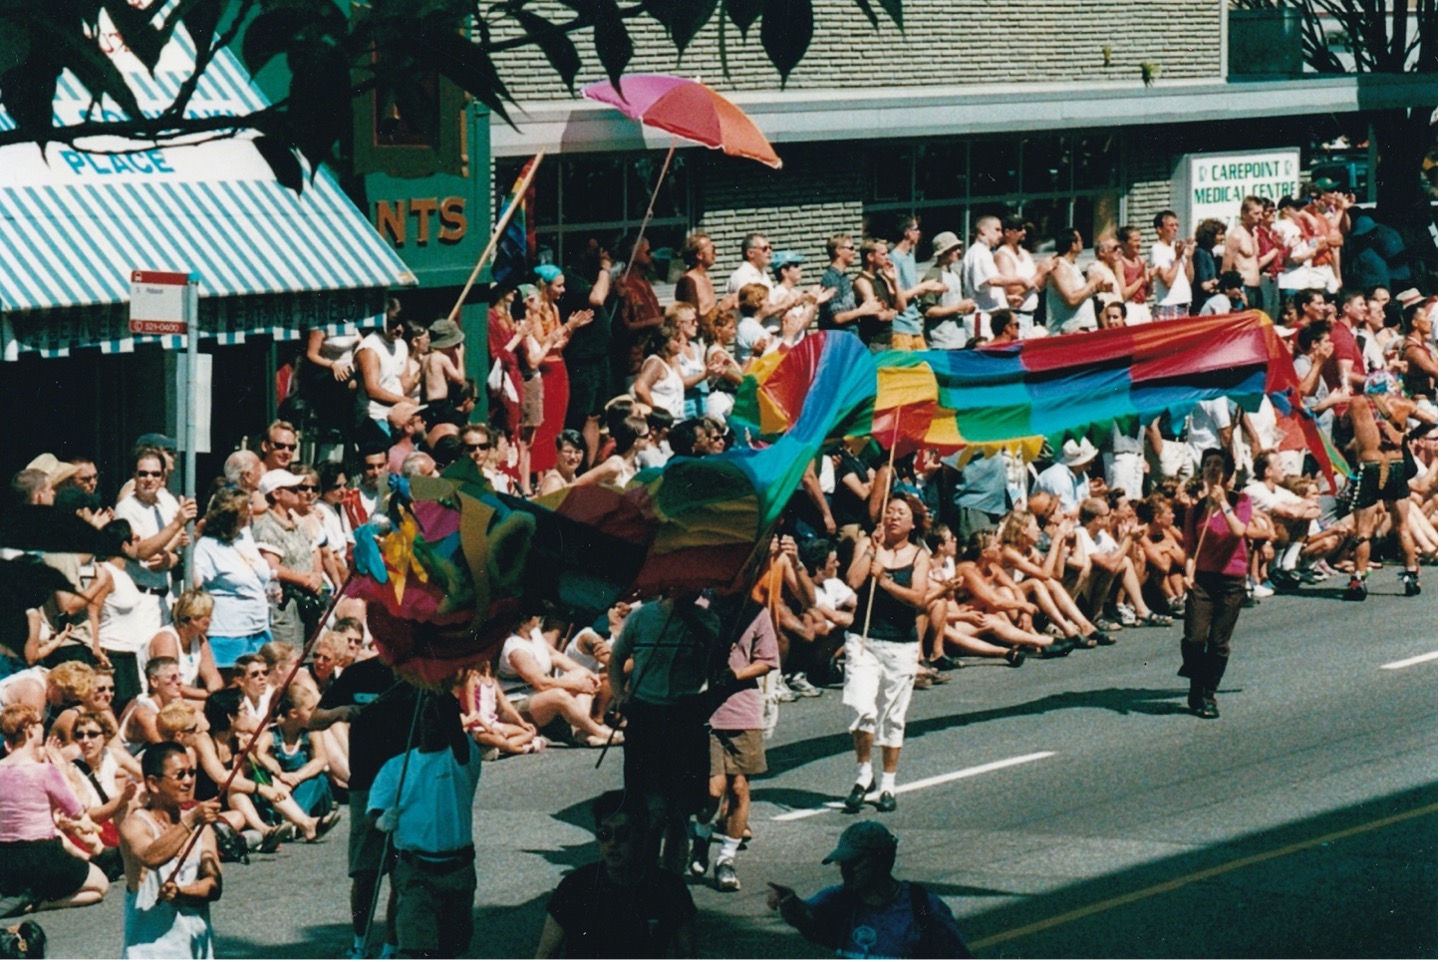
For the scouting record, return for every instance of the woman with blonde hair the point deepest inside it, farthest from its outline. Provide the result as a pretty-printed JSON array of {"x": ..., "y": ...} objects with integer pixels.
[{"x": 184, "y": 639}]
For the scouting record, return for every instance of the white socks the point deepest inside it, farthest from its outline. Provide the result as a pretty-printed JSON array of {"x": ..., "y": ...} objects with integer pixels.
[
  {"x": 888, "y": 781},
  {"x": 863, "y": 773},
  {"x": 729, "y": 847}
]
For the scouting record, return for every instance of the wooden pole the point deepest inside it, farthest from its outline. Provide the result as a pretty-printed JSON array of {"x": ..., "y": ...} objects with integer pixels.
[
  {"x": 501, "y": 226},
  {"x": 650, "y": 208}
]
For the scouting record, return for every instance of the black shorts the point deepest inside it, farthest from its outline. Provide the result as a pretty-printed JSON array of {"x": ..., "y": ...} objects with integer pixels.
[
  {"x": 44, "y": 869},
  {"x": 1369, "y": 488},
  {"x": 590, "y": 389},
  {"x": 668, "y": 753}
]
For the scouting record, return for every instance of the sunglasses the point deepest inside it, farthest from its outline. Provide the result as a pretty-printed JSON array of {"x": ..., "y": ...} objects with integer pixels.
[
  {"x": 182, "y": 774},
  {"x": 104, "y": 689},
  {"x": 149, "y": 474},
  {"x": 282, "y": 446},
  {"x": 256, "y": 674},
  {"x": 478, "y": 447},
  {"x": 613, "y": 834},
  {"x": 88, "y": 735},
  {"x": 307, "y": 487}
]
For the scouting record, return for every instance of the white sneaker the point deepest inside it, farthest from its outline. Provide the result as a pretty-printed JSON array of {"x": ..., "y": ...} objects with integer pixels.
[
  {"x": 782, "y": 691},
  {"x": 802, "y": 687},
  {"x": 1127, "y": 615},
  {"x": 1260, "y": 590}
]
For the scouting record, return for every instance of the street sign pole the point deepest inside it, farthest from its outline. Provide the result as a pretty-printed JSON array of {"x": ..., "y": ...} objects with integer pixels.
[{"x": 192, "y": 404}]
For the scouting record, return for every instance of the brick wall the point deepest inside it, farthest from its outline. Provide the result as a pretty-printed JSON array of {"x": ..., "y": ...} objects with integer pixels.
[
  {"x": 816, "y": 194},
  {"x": 946, "y": 42}
]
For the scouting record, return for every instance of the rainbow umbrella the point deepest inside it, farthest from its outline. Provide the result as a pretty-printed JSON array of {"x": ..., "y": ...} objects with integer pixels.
[
  {"x": 683, "y": 108},
  {"x": 689, "y": 109}
]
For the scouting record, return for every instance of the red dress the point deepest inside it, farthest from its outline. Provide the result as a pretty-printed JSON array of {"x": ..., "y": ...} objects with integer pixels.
[
  {"x": 506, "y": 406},
  {"x": 556, "y": 395}
]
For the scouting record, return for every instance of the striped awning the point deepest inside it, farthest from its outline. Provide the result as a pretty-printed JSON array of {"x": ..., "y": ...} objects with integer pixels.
[
  {"x": 74, "y": 224},
  {"x": 76, "y": 245}
]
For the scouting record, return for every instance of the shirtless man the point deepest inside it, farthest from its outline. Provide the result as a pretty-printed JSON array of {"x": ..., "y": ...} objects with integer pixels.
[
  {"x": 1240, "y": 254},
  {"x": 1379, "y": 423}
]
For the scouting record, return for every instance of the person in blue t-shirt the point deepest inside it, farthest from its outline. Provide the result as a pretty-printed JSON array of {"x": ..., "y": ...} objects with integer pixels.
[{"x": 871, "y": 914}]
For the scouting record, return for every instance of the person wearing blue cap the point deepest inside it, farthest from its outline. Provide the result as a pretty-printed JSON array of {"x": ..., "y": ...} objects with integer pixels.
[{"x": 871, "y": 914}]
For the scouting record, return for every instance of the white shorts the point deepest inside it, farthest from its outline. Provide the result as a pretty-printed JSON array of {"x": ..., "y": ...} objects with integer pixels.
[{"x": 879, "y": 676}]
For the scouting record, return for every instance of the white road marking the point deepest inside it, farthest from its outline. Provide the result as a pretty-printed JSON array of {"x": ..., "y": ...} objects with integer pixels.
[
  {"x": 1409, "y": 662},
  {"x": 921, "y": 783}
]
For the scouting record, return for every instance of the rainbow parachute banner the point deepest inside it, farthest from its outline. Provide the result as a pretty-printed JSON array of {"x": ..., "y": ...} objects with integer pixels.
[{"x": 452, "y": 565}]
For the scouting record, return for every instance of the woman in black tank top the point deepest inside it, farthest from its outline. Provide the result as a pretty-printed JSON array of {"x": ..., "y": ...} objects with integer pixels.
[{"x": 889, "y": 577}]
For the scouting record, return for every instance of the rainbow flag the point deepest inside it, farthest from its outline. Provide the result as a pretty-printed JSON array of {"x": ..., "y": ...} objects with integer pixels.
[{"x": 517, "y": 246}]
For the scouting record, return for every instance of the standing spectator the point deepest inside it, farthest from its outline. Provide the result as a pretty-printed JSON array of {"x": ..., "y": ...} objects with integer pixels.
[
  {"x": 588, "y": 288},
  {"x": 335, "y": 492},
  {"x": 443, "y": 372},
  {"x": 293, "y": 559},
  {"x": 122, "y": 615},
  {"x": 1241, "y": 251},
  {"x": 430, "y": 818},
  {"x": 906, "y": 332},
  {"x": 638, "y": 310},
  {"x": 165, "y": 918},
  {"x": 1067, "y": 477},
  {"x": 279, "y": 446},
  {"x": 890, "y": 578},
  {"x": 1206, "y": 264},
  {"x": 1014, "y": 261},
  {"x": 503, "y": 337},
  {"x": 230, "y": 568},
  {"x": 1135, "y": 276},
  {"x": 158, "y": 521},
  {"x": 945, "y": 310},
  {"x": 553, "y": 334},
  {"x": 622, "y": 906},
  {"x": 981, "y": 279},
  {"x": 1171, "y": 268},
  {"x": 841, "y": 311},
  {"x": 698, "y": 253},
  {"x": 755, "y": 269},
  {"x": 877, "y": 281},
  {"x": 1299, "y": 249},
  {"x": 1215, "y": 533},
  {"x": 1270, "y": 259},
  {"x": 33, "y": 861},
  {"x": 1069, "y": 306},
  {"x": 871, "y": 914},
  {"x": 381, "y": 359},
  {"x": 659, "y": 384}
]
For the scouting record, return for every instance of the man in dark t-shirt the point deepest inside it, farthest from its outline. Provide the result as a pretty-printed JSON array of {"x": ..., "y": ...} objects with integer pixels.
[
  {"x": 624, "y": 906},
  {"x": 379, "y": 708}
]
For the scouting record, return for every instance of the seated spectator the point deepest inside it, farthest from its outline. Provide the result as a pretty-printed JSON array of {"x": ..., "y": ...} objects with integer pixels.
[
  {"x": 102, "y": 787},
  {"x": 51, "y": 692},
  {"x": 251, "y": 677},
  {"x": 545, "y": 684},
  {"x": 216, "y": 751},
  {"x": 570, "y": 452},
  {"x": 592, "y": 651},
  {"x": 1042, "y": 576},
  {"x": 34, "y": 865},
  {"x": 1108, "y": 566},
  {"x": 1161, "y": 543},
  {"x": 297, "y": 762},
  {"x": 989, "y": 587},
  {"x": 184, "y": 640},
  {"x": 137, "y": 725},
  {"x": 490, "y": 719},
  {"x": 631, "y": 435}
]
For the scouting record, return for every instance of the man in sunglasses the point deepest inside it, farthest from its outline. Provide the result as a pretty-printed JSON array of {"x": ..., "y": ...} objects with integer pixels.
[
  {"x": 158, "y": 520},
  {"x": 167, "y": 919},
  {"x": 622, "y": 906},
  {"x": 277, "y": 450}
]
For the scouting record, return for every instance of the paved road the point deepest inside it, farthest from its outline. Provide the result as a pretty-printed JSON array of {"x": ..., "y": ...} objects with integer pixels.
[{"x": 1070, "y": 808}]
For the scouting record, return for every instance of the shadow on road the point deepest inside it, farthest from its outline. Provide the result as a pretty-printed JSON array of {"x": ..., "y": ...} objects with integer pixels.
[{"x": 1357, "y": 882}]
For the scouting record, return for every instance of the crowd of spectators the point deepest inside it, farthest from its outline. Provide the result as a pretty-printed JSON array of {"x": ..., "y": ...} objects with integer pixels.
[{"x": 945, "y": 559}]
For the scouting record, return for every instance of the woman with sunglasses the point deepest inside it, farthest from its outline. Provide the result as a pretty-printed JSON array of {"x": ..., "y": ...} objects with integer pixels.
[
  {"x": 120, "y": 610},
  {"x": 331, "y": 508},
  {"x": 311, "y": 519},
  {"x": 37, "y": 801},
  {"x": 100, "y": 784},
  {"x": 97, "y": 701}
]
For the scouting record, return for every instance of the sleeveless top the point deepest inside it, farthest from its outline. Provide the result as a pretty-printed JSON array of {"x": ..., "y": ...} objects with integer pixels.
[
  {"x": 669, "y": 392},
  {"x": 391, "y": 363},
  {"x": 695, "y": 396},
  {"x": 122, "y": 624},
  {"x": 891, "y": 618},
  {"x": 1133, "y": 271},
  {"x": 166, "y": 930},
  {"x": 189, "y": 660}
]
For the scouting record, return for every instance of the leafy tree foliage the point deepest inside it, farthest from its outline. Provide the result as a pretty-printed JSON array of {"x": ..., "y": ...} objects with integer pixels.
[{"x": 332, "y": 58}]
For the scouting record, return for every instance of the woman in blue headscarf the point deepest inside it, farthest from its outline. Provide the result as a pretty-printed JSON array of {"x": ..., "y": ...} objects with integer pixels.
[{"x": 551, "y": 335}]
